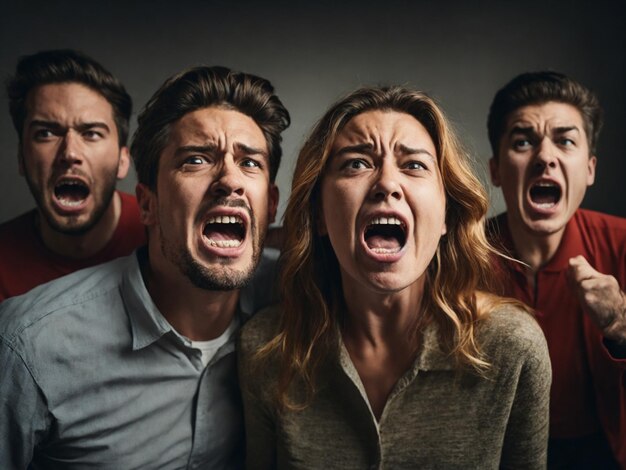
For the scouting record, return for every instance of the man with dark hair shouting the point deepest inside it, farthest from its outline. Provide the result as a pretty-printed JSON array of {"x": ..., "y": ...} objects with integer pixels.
[
  {"x": 71, "y": 117},
  {"x": 543, "y": 129},
  {"x": 131, "y": 364}
]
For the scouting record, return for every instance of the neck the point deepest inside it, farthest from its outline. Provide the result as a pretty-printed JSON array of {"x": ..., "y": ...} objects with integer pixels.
[
  {"x": 85, "y": 244},
  {"x": 536, "y": 250},
  {"x": 196, "y": 313},
  {"x": 382, "y": 320}
]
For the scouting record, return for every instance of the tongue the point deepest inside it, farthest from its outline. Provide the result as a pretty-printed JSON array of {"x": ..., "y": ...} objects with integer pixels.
[
  {"x": 221, "y": 232},
  {"x": 544, "y": 196},
  {"x": 385, "y": 242}
]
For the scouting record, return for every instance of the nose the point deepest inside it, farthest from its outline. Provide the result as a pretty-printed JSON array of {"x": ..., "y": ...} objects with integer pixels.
[
  {"x": 228, "y": 179},
  {"x": 386, "y": 184},
  {"x": 70, "y": 150},
  {"x": 546, "y": 154}
]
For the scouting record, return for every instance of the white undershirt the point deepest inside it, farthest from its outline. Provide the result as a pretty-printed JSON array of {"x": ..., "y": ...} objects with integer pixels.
[{"x": 210, "y": 347}]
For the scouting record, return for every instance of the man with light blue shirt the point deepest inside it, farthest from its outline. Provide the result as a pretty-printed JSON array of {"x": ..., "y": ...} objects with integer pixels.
[{"x": 130, "y": 364}]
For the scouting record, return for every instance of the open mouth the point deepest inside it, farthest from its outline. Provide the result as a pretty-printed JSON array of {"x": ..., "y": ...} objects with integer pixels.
[
  {"x": 225, "y": 231},
  {"x": 385, "y": 235},
  {"x": 71, "y": 193},
  {"x": 545, "y": 194}
]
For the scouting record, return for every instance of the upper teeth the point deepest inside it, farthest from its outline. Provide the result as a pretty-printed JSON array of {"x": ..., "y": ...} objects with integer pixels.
[
  {"x": 385, "y": 221},
  {"x": 545, "y": 184},
  {"x": 226, "y": 219}
]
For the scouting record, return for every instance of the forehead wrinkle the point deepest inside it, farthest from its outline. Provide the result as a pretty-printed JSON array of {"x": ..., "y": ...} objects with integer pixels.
[{"x": 552, "y": 114}]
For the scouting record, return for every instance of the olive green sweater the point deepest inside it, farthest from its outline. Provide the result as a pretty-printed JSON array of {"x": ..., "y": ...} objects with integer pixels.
[{"x": 435, "y": 417}]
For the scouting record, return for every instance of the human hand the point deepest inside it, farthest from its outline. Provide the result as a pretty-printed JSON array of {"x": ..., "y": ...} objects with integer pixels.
[{"x": 601, "y": 298}]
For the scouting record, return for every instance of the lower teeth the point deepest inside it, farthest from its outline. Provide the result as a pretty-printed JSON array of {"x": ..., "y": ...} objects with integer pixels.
[
  {"x": 384, "y": 251},
  {"x": 224, "y": 243},
  {"x": 70, "y": 202}
]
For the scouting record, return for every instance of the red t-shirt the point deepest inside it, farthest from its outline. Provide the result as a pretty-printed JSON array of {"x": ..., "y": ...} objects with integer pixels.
[
  {"x": 25, "y": 262},
  {"x": 588, "y": 383}
]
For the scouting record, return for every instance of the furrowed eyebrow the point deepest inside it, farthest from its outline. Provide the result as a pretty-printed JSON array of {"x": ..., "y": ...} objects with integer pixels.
[
  {"x": 247, "y": 150},
  {"x": 85, "y": 126},
  {"x": 413, "y": 151},
  {"x": 522, "y": 130},
  {"x": 42, "y": 123},
  {"x": 564, "y": 129},
  {"x": 359, "y": 148},
  {"x": 196, "y": 149}
]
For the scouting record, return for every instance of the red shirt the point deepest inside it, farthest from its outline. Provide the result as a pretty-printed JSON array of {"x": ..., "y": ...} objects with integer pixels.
[
  {"x": 589, "y": 384},
  {"x": 25, "y": 262}
]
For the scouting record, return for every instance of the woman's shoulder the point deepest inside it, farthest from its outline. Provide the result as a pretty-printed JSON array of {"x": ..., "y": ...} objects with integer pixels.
[
  {"x": 512, "y": 332},
  {"x": 260, "y": 329}
]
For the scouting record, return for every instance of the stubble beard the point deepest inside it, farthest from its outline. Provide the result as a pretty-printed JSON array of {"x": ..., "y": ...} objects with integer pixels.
[
  {"x": 72, "y": 225},
  {"x": 217, "y": 279}
]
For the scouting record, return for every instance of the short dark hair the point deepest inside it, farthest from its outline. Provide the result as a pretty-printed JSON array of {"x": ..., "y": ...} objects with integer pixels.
[
  {"x": 67, "y": 66},
  {"x": 201, "y": 87},
  {"x": 540, "y": 87}
]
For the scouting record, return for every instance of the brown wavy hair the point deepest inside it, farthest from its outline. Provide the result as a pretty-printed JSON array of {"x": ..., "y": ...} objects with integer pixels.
[{"x": 312, "y": 297}]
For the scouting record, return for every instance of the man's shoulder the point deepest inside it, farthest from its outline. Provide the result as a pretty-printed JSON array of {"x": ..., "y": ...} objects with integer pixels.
[
  {"x": 604, "y": 238},
  {"x": 599, "y": 221},
  {"x": 74, "y": 291},
  {"x": 129, "y": 201},
  {"x": 17, "y": 227}
]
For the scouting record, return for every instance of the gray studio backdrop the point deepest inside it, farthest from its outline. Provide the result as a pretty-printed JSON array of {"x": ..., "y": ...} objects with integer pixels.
[{"x": 460, "y": 52}]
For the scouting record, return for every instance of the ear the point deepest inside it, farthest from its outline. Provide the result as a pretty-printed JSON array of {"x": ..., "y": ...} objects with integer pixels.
[
  {"x": 147, "y": 200},
  {"x": 272, "y": 206},
  {"x": 494, "y": 172},
  {"x": 124, "y": 163},
  {"x": 591, "y": 170}
]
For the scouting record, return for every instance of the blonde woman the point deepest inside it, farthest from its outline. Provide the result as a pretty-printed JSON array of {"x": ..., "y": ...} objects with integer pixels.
[{"x": 386, "y": 352}]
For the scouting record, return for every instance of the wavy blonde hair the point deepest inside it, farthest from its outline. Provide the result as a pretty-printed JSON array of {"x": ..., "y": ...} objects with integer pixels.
[{"x": 310, "y": 279}]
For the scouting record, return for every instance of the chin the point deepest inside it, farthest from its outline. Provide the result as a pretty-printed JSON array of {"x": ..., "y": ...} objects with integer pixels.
[{"x": 545, "y": 227}]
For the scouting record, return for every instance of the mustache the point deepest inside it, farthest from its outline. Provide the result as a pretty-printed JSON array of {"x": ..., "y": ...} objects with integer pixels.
[{"x": 70, "y": 172}]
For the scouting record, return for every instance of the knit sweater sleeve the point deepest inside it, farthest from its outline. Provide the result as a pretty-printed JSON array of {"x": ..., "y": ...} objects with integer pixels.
[
  {"x": 524, "y": 352},
  {"x": 256, "y": 390}
]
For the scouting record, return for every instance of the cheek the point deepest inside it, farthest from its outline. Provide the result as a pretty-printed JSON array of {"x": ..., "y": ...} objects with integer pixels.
[{"x": 340, "y": 207}]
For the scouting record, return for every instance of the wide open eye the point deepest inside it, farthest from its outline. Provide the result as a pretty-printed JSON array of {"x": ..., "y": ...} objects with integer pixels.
[
  {"x": 355, "y": 164},
  {"x": 521, "y": 144},
  {"x": 195, "y": 160},
  {"x": 415, "y": 165},
  {"x": 250, "y": 163}
]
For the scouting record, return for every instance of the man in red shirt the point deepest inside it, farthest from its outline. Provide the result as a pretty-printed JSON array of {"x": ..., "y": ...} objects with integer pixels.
[
  {"x": 71, "y": 116},
  {"x": 543, "y": 129}
]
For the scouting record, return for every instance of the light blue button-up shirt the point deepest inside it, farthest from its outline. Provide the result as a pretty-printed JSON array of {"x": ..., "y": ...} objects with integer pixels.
[{"x": 92, "y": 375}]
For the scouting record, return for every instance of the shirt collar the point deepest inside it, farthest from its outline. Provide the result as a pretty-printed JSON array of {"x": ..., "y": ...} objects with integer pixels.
[
  {"x": 147, "y": 323},
  {"x": 431, "y": 357}
]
